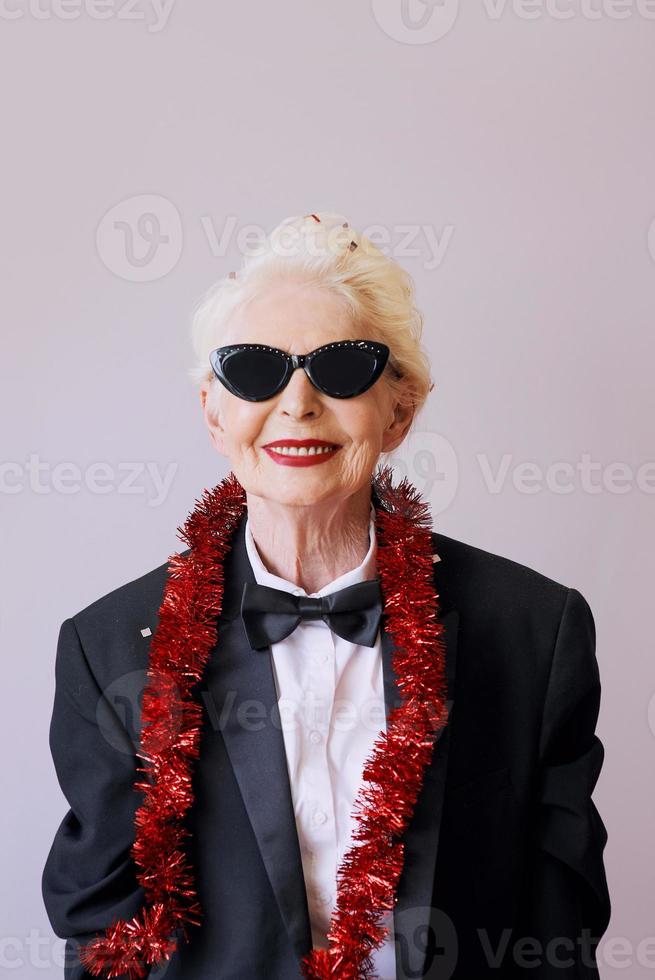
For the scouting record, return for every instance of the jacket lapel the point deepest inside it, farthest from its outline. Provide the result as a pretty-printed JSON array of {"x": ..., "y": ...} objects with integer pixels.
[
  {"x": 258, "y": 758},
  {"x": 421, "y": 839}
]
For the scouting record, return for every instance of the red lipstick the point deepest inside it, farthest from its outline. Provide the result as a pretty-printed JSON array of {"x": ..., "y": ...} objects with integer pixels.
[{"x": 301, "y": 452}]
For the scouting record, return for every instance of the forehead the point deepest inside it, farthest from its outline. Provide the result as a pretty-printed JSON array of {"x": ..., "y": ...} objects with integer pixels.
[{"x": 296, "y": 318}]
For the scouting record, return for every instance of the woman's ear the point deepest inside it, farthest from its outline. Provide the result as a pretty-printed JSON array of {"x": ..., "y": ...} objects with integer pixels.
[
  {"x": 403, "y": 415},
  {"x": 212, "y": 418}
]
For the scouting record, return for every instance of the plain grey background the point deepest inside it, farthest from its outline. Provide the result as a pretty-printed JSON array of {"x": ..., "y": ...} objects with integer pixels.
[{"x": 505, "y": 154}]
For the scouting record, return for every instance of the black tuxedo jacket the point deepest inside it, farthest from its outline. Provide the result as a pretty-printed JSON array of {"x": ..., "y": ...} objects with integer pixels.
[{"x": 503, "y": 872}]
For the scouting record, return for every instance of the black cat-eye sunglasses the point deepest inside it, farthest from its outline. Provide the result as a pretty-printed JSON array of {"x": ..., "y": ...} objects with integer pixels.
[{"x": 257, "y": 372}]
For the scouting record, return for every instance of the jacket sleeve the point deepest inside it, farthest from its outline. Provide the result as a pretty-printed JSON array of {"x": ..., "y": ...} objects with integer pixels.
[
  {"x": 567, "y": 903},
  {"x": 89, "y": 878}
]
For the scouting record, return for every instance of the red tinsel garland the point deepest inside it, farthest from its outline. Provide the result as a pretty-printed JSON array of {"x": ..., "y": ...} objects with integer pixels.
[{"x": 172, "y": 723}]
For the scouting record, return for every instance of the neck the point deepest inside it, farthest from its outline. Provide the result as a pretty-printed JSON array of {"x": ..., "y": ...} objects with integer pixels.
[{"x": 314, "y": 544}]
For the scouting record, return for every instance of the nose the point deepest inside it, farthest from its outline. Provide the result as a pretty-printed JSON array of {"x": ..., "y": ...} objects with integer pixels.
[{"x": 299, "y": 397}]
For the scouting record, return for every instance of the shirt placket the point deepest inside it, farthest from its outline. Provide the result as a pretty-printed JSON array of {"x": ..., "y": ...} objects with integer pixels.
[{"x": 320, "y": 828}]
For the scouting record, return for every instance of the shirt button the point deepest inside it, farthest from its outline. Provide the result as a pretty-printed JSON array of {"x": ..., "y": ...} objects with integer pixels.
[
  {"x": 315, "y": 737},
  {"x": 320, "y": 817},
  {"x": 323, "y": 897}
]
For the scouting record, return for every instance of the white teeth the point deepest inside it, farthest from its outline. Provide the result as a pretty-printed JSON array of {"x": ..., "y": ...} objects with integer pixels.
[{"x": 302, "y": 450}]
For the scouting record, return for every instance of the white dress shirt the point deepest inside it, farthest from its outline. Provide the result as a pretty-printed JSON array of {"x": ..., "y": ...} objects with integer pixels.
[{"x": 332, "y": 709}]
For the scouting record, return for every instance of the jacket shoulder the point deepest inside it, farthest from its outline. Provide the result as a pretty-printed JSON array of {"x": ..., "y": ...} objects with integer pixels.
[
  {"x": 510, "y": 619},
  {"x": 471, "y": 577},
  {"x": 138, "y": 594},
  {"x": 115, "y": 629}
]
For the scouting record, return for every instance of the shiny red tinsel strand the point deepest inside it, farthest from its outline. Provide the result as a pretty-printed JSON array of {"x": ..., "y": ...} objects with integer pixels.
[
  {"x": 393, "y": 776},
  {"x": 171, "y": 731}
]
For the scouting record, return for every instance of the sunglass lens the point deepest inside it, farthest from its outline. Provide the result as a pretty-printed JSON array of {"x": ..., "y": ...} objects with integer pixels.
[
  {"x": 343, "y": 372},
  {"x": 254, "y": 374}
]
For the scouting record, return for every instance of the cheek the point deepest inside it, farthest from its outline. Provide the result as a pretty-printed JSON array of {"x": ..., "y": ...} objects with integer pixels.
[
  {"x": 365, "y": 424},
  {"x": 241, "y": 422}
]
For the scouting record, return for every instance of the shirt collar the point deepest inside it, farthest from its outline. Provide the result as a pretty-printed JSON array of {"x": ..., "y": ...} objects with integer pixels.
[{"x": 365, "y": 571}]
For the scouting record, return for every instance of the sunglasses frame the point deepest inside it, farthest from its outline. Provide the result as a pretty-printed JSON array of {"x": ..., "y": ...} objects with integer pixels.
[{"x": 218, "y": 356}]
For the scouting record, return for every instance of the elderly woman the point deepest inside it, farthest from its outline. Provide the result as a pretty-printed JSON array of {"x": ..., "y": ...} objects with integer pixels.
[{"x": 363, "y": 749}]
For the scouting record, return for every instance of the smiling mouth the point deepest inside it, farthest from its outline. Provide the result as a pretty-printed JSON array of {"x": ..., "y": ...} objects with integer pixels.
[{"x": 302, "y": 450}]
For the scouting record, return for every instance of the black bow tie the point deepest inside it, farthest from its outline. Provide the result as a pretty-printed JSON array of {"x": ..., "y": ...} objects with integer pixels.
[{"x": 270, "y": 615}]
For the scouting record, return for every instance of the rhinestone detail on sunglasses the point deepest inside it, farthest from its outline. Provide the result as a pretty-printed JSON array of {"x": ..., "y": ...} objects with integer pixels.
[{"x": 379, "y": 351}]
